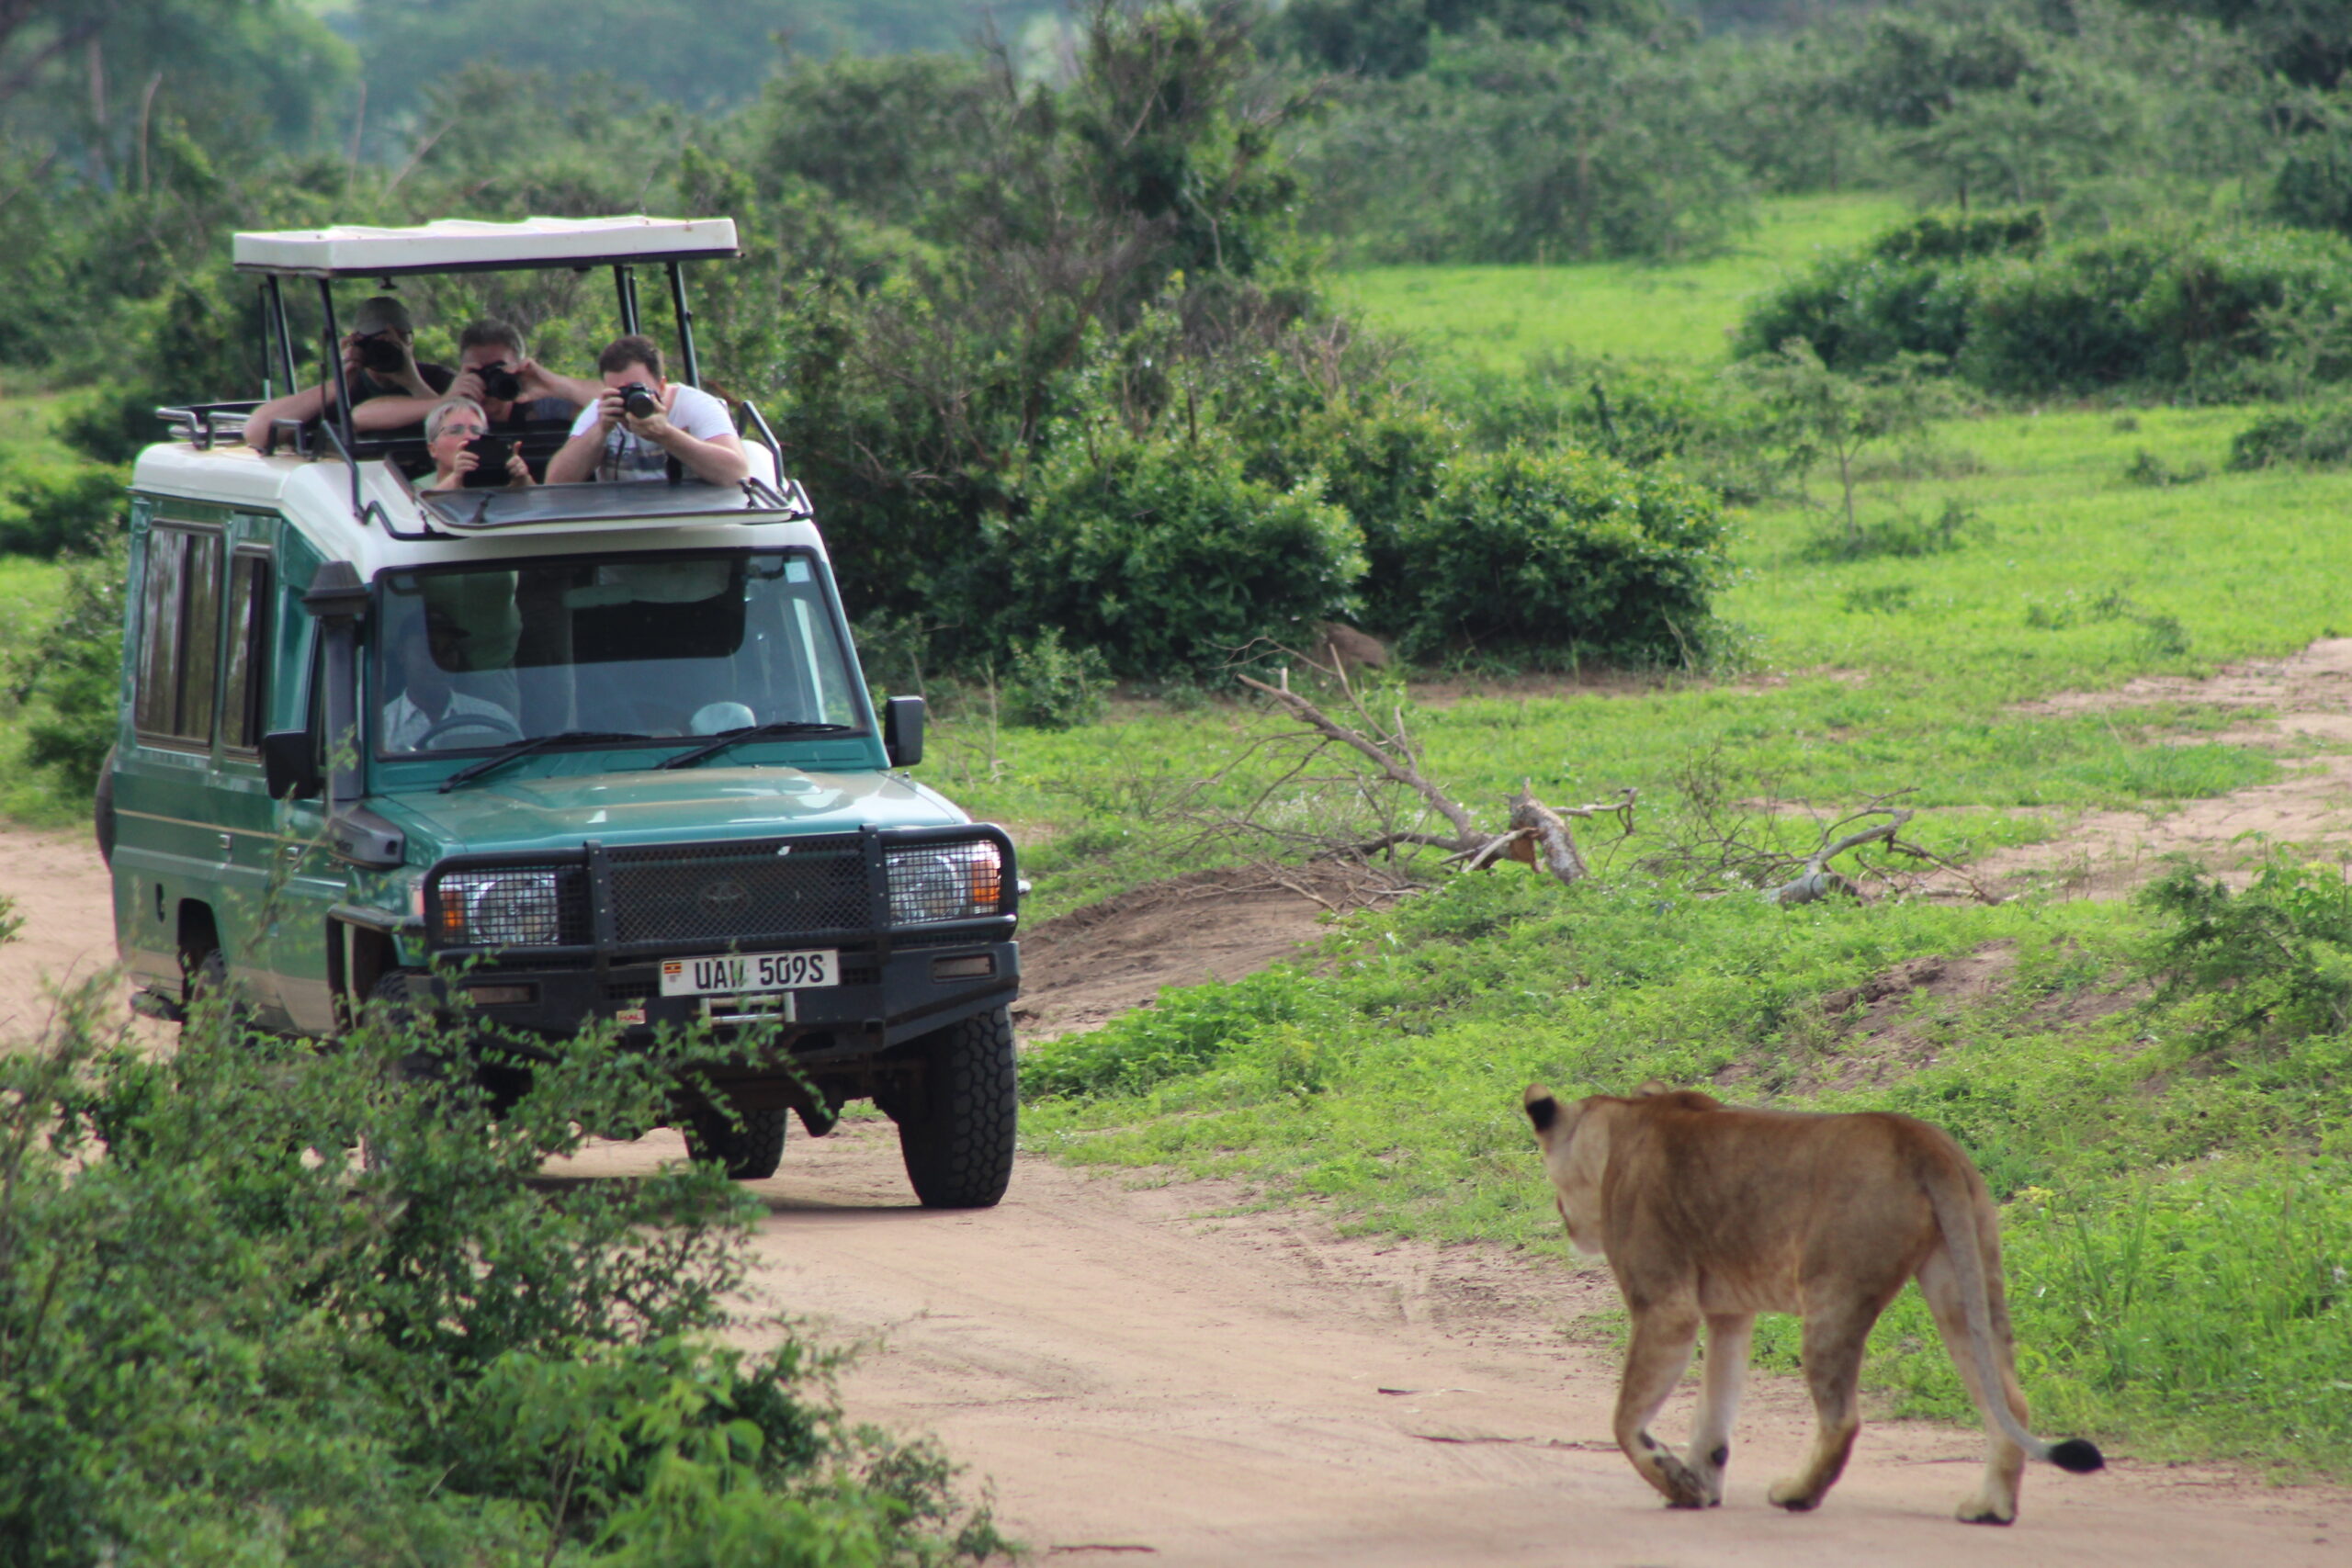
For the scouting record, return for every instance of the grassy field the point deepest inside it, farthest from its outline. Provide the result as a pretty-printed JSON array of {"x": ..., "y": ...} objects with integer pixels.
[
  {"x": 1498, "y": 317},
  {"x": 2180, "y": 1224}
]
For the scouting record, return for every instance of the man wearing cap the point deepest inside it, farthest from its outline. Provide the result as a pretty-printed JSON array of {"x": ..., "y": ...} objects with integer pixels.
[{"x": 379, "y": 363}]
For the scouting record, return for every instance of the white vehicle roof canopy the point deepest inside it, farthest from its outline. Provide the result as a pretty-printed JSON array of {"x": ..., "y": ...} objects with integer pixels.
[{"x": 463, "y": 245}]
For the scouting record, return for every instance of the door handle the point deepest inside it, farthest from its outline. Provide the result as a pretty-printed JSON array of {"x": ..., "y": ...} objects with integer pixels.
[{"x": 228, "y": 844}]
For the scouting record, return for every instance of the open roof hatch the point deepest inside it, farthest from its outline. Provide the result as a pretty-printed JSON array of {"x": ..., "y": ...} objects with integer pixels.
[{"x": 461, "y": 244}]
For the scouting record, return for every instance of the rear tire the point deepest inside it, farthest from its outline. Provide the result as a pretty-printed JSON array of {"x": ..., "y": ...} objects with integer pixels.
[
  {"x": 102, "y": 808},
  {"x": 957, "y": 1134},
  {"x": 748, "y": 1145}
]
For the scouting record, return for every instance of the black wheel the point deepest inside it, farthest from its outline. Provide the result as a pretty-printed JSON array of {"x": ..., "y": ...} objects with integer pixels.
[
  {"x": 750, "y": 1144},
  {"x": 209, "y": 983},
  {"x": 102, "y": 808},
  {"x": 956, "y": 1131}
]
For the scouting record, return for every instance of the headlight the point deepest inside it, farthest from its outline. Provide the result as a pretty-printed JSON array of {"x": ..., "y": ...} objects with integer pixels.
[
  {"x": 499, "y": 908},
  {"x": 945, "y": 881}
]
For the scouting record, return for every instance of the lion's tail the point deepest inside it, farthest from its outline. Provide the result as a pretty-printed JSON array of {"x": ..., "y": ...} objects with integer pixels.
[{"x": 1956, "y": 1218}]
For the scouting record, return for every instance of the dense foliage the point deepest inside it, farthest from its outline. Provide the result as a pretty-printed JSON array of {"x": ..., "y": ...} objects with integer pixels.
[{"x": 224, "y": 1338}]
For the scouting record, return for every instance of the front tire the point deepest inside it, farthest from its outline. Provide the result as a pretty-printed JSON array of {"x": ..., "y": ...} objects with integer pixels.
[
  {"x": 750, "y": 1144},
  {"x": 957, "y": 1132}
]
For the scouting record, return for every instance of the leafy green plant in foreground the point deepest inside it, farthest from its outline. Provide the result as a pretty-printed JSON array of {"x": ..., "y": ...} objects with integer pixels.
[{"x": 222, "y": 1339}]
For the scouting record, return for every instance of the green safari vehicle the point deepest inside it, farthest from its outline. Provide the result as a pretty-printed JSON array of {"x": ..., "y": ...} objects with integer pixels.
[{"x": 544, "y": 757}]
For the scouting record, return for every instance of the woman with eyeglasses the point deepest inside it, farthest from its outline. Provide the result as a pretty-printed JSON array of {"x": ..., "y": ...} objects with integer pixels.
[{"x": 450, "y": 432}]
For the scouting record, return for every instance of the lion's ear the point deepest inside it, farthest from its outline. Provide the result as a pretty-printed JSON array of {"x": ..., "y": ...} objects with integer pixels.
[
  {"x": 1654, "y": 1087},
  {"x": 1542, "y": 1109}
]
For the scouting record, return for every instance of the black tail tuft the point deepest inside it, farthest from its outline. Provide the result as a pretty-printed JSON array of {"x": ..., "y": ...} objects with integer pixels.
[{"x": 2077, "y": 1454}]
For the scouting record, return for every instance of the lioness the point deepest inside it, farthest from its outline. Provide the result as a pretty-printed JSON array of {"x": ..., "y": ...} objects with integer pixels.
[{"x": 1708, "y": 1211}]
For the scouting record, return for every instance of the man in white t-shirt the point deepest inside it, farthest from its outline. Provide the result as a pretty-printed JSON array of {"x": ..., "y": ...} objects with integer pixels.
[{"x": 610, "y": 443}]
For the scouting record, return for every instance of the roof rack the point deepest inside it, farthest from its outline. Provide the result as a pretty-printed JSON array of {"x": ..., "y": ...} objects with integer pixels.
[{"x": 462, "y": 244}]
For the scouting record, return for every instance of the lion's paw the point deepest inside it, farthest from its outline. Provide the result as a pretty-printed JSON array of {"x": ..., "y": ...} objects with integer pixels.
[
  {"x": 1982, "y": 1511},
  {"x": 1792, "y": 1493}
]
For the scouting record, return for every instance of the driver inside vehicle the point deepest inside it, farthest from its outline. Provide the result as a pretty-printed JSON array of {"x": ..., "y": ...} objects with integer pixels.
[{"x": 429, "y": 713}]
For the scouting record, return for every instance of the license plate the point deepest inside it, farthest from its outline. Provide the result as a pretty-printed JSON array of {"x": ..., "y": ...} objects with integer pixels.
[{"x": 745, "y": 973}]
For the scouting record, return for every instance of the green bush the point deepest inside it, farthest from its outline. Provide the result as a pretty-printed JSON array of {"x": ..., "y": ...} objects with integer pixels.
[
  {"x": 1553, "y": 558},
  {"x": 2068, "y": 319},
  {"x": 2307, "y": 438},
  {"x": 68, "y": 677},
  {"x": 2312, "y": 188},
  {"x": 1048, "y": 686},
  {"x": 2277, "y": 959},
  {"x": 1162, "y": 555},
  {"x": 1909, "y": 291},
  {"x": 1381, "y": 465},
  {"x": 2209, "y": 314},
  {"x": 50, "y": 517},
  {"x": 228, "y": 1341}
]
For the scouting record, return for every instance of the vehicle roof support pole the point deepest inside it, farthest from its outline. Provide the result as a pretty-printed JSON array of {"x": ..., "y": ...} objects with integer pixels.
[
  {"x": 342, "y": 390},
  {"x": 625, "y": 285},
  {"x": 276, "y": 296},
  {"x": 687, "y": 363}
]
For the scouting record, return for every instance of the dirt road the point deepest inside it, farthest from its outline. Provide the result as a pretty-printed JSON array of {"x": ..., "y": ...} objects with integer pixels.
[{"x": 1136, "y": 1382}]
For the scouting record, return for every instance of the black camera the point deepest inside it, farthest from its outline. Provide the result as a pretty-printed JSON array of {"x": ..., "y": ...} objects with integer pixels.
[
  {"x": 490, "y": 471},
  {"x": 380, "y": 353},
  {"x": 638, "y": 399},
  {"x": 500, "y": 385}
]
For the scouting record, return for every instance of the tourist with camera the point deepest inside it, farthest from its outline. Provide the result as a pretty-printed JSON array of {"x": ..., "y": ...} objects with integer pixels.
[
  {"x": 466, "y": 454},
  {"x": 640, "y": 422},
  {"x": 515, "y": 391},
  {"x": 389, "y": 388}
]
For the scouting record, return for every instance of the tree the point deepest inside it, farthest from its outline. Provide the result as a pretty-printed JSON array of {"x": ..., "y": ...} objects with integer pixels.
[{"x": 1811, "y": 411}]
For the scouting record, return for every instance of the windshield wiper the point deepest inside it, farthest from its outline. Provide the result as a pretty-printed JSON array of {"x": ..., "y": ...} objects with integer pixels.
[
  {"x": 472, "y": 771},
  {"x": 754, "y": 732}
]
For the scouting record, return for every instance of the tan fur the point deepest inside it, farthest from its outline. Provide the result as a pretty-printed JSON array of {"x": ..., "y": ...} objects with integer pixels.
[{"x": 1711, "y": 1213}]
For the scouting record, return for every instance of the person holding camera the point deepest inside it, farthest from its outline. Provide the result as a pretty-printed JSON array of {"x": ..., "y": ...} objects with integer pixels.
[
  {"x": 642, "y": 422},
  {"x": 465, "y": 456},
  {"x": 515, "y": 391},
  {"x": 387, "y": 384}
]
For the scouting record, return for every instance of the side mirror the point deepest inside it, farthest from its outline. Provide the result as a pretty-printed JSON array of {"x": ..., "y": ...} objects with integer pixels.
[
  {"x": 902, "y": 730},
  {"x": 289, "y": 764}
]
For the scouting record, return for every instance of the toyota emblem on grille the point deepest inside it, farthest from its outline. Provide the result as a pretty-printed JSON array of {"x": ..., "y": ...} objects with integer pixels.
[{"x": 722, "y": 897}]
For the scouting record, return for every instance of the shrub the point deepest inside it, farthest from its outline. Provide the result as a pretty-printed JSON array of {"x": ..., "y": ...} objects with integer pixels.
[
  {"x": 70, "y": 675},
  {"x": 2277, "y": 958},
  {"x": 2067, "y": 320},
  {"x": 1048, "y": 686},
  {"x": 2308, "y": 437},
  {"x": 1560, "y": 557},
  {"x": 2209, "y": 314},
  {"x": 50, "y": 517},
  {"x": 1162, "y": 555},
  {"x": 1909, "y": 291},
  {"x": 227, "y": 1342},
  {"x": 1381, "y": 465},
  {"x": 2312, "y": 188}
]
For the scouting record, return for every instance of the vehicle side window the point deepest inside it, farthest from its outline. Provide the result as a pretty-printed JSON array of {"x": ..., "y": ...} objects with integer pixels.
[
  {"x": 246, "y": 690},
  {"x": 179, "y": 626}
]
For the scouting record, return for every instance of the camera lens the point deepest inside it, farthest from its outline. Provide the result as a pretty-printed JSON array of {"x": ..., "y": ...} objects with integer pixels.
[
  {"x": 639, "y": 400},
  {"x": 501, "y": 384},
  {"x": 381, "y": 354}
]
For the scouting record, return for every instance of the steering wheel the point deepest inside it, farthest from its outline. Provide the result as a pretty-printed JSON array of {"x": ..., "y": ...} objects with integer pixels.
[{"x": 506, "y": 727}]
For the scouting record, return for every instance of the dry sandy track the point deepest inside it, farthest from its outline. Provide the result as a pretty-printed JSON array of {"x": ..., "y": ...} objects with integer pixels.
[{"x": 1134, "y": 1382}]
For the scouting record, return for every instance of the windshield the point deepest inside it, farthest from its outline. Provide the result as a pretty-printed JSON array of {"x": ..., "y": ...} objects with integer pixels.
[{"x": 473, "y": 658}]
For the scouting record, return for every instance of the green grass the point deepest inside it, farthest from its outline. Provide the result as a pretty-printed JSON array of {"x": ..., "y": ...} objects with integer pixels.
[
  {"x": 2176, "y": 1219},
  {"x": 29, "y": 445},
  {"x": 1498, "y": 317}
]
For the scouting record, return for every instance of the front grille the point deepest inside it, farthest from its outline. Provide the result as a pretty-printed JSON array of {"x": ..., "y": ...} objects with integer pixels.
[{"x": 723, "y": 893}]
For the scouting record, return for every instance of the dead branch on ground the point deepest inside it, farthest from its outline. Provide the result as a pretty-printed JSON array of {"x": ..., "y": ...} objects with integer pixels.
[{"x": 1534, "y": 834}]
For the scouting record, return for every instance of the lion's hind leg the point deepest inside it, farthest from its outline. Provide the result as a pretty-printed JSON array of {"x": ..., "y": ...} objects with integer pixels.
[
  {"x": 1834, "y": 1339},
  {"x": 1996, "y": 1501},
  {"x": 1728, "y": 1337},
  {"x": 1654, "y": 1364}
]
